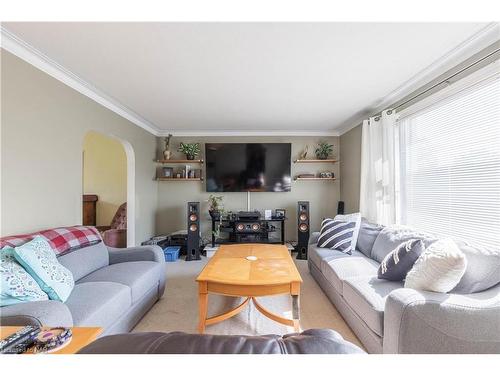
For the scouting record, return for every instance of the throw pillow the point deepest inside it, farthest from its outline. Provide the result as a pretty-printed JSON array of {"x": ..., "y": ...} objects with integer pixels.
[
  {"x": 439, "y": 268},
  {"x": 483, "y": 269},
  {"x": 340, "y": 233},
  {"x": 399, "y": 261},
  {"x": 15, "y": 283},
  {"x": 38, "y": 258}
]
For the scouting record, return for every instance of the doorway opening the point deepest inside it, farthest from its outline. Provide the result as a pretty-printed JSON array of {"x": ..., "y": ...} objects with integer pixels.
[{"x": 108, "y": 188}]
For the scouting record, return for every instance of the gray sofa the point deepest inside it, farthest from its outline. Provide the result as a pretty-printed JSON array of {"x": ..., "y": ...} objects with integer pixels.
[
  {"x": 114, "y": 288},
  {"x": 389, "y": 318}
]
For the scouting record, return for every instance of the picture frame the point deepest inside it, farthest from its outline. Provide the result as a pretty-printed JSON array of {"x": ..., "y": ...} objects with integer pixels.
[{"x": 280, "y": 213}]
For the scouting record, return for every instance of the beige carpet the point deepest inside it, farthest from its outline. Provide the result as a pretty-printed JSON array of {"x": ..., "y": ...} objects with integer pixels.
[{"x": 178, "y": 309}]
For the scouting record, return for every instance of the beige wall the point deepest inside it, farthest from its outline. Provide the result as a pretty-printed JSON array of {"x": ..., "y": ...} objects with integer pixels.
[
  {"x": 104, "y": 174},
  {"x": 350, "y": 168},
  {"x": 323, "y": 195},
  {"x": 44, "y": 123}
]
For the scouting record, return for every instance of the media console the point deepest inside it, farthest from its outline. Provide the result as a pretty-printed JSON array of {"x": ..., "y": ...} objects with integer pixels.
[{"x": 244, "y": 227}]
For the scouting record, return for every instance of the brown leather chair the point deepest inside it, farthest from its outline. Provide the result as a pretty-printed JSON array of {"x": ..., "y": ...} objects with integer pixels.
[{"x": 115, "y": 235}]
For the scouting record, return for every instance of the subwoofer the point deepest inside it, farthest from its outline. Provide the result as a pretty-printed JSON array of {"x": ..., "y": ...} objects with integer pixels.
[
  {"x": 303, "y": 229},
  {"x": 193, "y": 231}
]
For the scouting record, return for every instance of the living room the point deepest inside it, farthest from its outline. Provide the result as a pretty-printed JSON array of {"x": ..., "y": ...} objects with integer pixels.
[{"x": 181, "y": 187}]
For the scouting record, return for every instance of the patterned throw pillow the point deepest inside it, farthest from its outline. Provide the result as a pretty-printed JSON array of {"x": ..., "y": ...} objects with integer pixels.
[
  {"x": 399, "y": 261},
  {"x": 16, "y": 284},
  {"x": 439, "y": 268},
  {"x": 340, "y": 234},
  {"x": 38, "y": 258}
]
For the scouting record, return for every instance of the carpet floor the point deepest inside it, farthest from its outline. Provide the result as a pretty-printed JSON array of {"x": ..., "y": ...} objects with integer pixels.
[{"x": 178, "y": 309}]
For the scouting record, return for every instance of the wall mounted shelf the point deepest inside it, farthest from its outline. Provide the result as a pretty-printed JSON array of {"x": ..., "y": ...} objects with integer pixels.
[
  {"x": 180, "y": 161},
  {"x": 314, "y": 178},
  {"x": 179, "y": 179},
  {"x": 315, "y": 161}
]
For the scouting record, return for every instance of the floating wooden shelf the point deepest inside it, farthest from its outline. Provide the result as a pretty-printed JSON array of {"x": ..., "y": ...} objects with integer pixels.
[
  {"x": 315, "y": 161},
  {"x": 314, "y": 178},
  {"x": 180, "y": 161},
  {"x": 179, "y": 179}
]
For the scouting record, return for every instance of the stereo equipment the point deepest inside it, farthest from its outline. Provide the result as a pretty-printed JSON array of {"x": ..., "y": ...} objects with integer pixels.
[
  {"x": 302, "y": 229},
  {"x": 193, "y": 231},
  {"x": 246, "y": 227},
  {"x": 340, "y": 208},
  {"x": 248, "y": 215}
]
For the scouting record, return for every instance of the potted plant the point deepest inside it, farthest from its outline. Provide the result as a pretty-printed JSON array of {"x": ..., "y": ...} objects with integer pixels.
[
  {"x": 191, "y": 150},
  {"x": 215, "y": 206},
  {"x": 323, "y": 150}
]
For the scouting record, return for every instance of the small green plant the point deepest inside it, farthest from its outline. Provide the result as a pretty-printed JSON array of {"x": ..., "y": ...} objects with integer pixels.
[
  {"x": 214, "y": 202},
  {"x": 323, "y": 150},
  {"x": 191, "y": 150}
]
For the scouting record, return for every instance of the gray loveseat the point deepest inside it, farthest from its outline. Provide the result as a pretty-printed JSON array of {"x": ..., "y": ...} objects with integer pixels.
[
  {"x": 389, "y": 318},
  {"x": 114, "y": 289}
]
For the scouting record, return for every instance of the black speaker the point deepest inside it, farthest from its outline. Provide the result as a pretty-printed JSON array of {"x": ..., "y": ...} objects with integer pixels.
[
  {"x": 193, "y": 231},
  {"x": 340, "y": 208},
  {"x": 302, "y": 229}
]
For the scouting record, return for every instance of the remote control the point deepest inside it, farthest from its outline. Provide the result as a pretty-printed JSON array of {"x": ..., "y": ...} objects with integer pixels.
[{"x": 19, "y": 341}]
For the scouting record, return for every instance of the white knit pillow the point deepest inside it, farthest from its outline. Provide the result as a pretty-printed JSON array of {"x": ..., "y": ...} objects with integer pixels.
[{"x": 439, "y": 268}]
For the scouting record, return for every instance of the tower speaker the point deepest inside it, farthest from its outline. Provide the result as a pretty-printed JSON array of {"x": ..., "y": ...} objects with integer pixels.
[
  {"x": 302, "y": 229},
  {"x": 193, "y": 231},
  {"x": 340, "y": 208}
]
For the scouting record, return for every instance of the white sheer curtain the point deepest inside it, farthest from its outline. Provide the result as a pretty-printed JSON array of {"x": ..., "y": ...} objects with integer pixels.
[{"x": 377, "y": 201}]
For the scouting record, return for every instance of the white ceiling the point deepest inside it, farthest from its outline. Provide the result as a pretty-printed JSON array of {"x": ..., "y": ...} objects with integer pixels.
[{"x": 207, "y": 78}]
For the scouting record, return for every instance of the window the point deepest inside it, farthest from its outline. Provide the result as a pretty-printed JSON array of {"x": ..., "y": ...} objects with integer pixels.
[{"x": 450, "y": 166}]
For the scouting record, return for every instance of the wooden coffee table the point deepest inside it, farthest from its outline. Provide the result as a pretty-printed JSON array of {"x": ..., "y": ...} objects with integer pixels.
[
  {"x": 81, "y": 337},
  {"x": 230, "y": 273}
]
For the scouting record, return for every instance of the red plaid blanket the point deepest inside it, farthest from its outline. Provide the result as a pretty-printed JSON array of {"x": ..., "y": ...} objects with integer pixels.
[{"x": 60, "y": 239}]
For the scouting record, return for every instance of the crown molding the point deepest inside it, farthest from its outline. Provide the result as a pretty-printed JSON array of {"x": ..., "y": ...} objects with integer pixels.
[
  {"x": 478, "y": 41},
  {"x": 230, "y": 133},
  {"x": 31, "y": 55}
]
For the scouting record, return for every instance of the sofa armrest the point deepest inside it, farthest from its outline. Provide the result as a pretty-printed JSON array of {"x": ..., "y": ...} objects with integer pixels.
[
  {"x": 40, "y": 313},
  {"x": 427, "y": 322},
  {"x": 151, "y": 253},
  {"x": 313, "y": 238}
]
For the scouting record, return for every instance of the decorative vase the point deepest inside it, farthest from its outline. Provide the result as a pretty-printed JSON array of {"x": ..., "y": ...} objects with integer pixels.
[
  {"x": 190, "y": 157},
  {"x": 167, "y": 154},
  {"x": 322, "y": 157}
]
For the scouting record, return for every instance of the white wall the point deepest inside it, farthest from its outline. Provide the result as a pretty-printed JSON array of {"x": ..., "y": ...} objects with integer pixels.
[{"x": 44, "y": 123}]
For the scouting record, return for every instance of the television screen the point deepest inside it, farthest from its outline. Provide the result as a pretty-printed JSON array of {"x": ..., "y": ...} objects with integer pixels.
[{"x": 248, "y": 166}]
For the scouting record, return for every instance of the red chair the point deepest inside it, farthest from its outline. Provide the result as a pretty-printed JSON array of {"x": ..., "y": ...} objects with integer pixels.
[{"x": 115, "y": 235}]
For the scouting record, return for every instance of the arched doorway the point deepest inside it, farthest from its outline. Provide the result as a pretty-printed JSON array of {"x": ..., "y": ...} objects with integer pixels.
[{"x": 108, "y": 178}]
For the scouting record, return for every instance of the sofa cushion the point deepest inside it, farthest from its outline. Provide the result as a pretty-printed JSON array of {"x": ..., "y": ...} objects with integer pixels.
[
  {"x": 341, "y": 268},
  {"x": 17, "y": 285},
  {"x": 83, "y": 261},
  {"x": 368, "y": 233},
  {"x": 438, "y": 269},
  {"x": 98, "y": 304},
  {"x": 399, "y": 261},
  {"x": 483, "y": 269},
  {"x": 139, "y": 276},
  {"x": 391, "y": 237},
  {"x": 316, "y": 254},
  {"x": 39, "y": 260},
  {"x": 366, "y": 296}
]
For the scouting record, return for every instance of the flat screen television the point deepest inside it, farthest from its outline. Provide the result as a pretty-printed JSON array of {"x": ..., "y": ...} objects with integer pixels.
[{"x": 233, "y": 167}]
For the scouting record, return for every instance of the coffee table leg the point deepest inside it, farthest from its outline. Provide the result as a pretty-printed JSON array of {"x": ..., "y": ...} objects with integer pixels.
[
  {"x": 202, "y": 306},
  {"x": 296, "y": 312}
]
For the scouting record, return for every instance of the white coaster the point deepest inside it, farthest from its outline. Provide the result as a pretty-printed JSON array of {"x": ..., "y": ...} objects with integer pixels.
[{"x": 251, "y": 257}]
